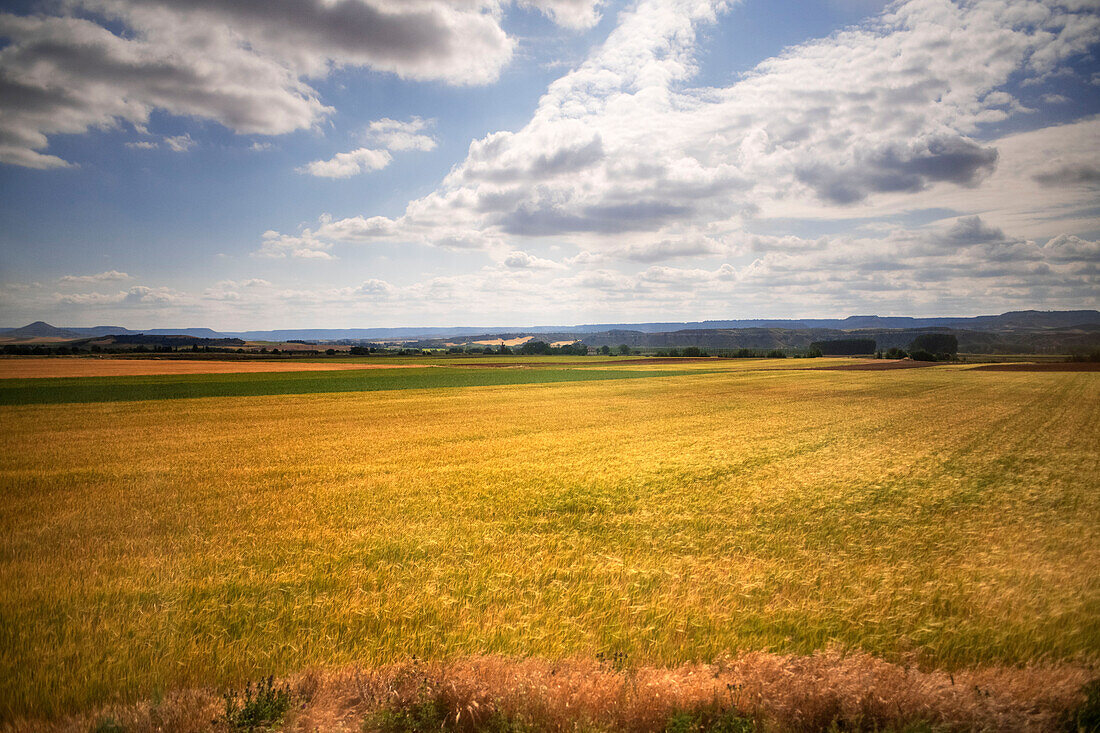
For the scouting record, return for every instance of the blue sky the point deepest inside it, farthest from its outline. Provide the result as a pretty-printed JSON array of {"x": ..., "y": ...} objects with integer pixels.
[{"x": 241, "y": 164}]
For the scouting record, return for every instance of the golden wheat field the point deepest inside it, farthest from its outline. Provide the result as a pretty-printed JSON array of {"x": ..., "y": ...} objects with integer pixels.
[{"x": 944, "y": 517}]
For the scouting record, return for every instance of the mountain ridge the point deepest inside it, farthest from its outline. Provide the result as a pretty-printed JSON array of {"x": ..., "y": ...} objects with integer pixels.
[{"x": 1027, "y": 320}]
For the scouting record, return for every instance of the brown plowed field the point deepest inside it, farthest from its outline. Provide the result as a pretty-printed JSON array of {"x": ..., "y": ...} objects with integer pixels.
[
  {"x": 1057, "y": 366},
  {"x": 23, "y": 368},
  {"x": 878, "y": 365}
]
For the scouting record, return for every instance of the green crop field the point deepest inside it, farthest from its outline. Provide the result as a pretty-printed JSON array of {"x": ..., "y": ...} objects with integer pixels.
[
  {"x": 274, "y": 522},
  {"x": 163, "y": 387}
]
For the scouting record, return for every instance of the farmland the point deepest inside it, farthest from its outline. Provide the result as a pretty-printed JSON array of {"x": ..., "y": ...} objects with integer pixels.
[{"x": 163, "y": 532}]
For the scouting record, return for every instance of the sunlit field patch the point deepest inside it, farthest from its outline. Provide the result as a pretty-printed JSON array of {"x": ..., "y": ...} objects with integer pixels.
[{"x": 943, "y": 516}]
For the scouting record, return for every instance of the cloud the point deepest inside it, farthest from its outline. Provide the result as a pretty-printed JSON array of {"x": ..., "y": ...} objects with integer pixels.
[
  {"x": 908, "y": 167},
  {"x": 137, "y": 295},
  {"x": 1072, "y": 249},
  {"x": 669, "y": 249},
  {"x": 1069, "y": 174},
  {"x": 346, "y": 165},
  {"x": 400, "y": 136},
  {"x": 246, "y": 64},
  {"x": 1041, "y": 187},
  {"x": 517, "y": 260},
  {"x": 622, "y": 152},
  {"x": 179, "y": 143},
  {"x": 577, "y": 14},
  {"x": 971, "y": 230},
  {"x": 102, "y": 277},
  {"x": 958, "y": 265},
  {"x": 391, "y": 134},
  {"x": 629, "y": 166},
  {"x": 375, "y": 288},
  {"x": 143, "y": 145},
  {"x": 302, "y": 246}
]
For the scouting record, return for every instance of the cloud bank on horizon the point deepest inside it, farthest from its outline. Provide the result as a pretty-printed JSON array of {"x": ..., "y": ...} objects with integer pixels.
[{"x": 934, "y": 158}]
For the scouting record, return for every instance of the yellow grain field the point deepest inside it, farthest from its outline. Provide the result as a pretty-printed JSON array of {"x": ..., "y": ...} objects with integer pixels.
[{"x": 944, "y": 516}]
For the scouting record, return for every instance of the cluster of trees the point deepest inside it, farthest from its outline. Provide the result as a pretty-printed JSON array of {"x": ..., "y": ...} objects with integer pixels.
[
  {"x": 621, "y": 350},
  {"x": 926, "y": 347},
  {"x": 1093, "y": 355},
  {"x": 541, "y": 347}
]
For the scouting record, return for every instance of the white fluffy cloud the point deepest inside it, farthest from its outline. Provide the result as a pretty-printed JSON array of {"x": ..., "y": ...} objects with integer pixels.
[
  {"x": 390, "y": 134},
  {"x": 345, "y": 165},
  {"x": 101, "y": 277},
  {"x": 626, "y": 161},
  {"x": 517, "y": 260},
  {"x": 401, "y": 136},
  {"x": 137, "y": 295},
  {"x": 570, "y": 13},
  {"x": 621, "y": 145},
  {"x": 242, "y": 63}
]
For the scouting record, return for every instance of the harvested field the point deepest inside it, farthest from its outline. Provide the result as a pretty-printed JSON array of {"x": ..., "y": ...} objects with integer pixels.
[
  {"x": 767, "y": 692},
  {"x": 32, "y": 367},
  {"x": 1057, "y": 366}
]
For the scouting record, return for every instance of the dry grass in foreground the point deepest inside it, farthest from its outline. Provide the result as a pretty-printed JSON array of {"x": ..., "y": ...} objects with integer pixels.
[{"x": 752, "y": 692}]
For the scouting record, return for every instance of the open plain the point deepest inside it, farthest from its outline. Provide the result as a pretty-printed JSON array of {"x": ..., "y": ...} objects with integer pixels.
[{"x": 944, "y": 518}]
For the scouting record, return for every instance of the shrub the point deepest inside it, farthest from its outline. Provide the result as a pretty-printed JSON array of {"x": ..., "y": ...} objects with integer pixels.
[
  {"x": 427, "y": 714},
  {"x": 258, "y": 709},
  {"x": 920, "y": 355}
]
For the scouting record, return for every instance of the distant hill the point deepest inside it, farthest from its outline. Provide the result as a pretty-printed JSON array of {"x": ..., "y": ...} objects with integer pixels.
[
  {"x": 1006, "y": 321},
  {"x": 376, "y": 334},
  {"x": 203, "y": 333},
  {"x": 744, "y": 333},
  {"x": 101, "y": 330},
  {"x": 1016, "y": 320},
  {"x": 39, "y": 329}
]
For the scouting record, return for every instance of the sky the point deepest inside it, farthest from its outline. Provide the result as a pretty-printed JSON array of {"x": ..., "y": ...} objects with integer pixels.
[{"x": 255, "y": 164}]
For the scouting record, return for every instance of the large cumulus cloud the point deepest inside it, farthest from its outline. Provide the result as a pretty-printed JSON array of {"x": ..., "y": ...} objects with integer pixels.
[
  {"x": 622, "y": 151},
  {"x": 243, "y": 63}
]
